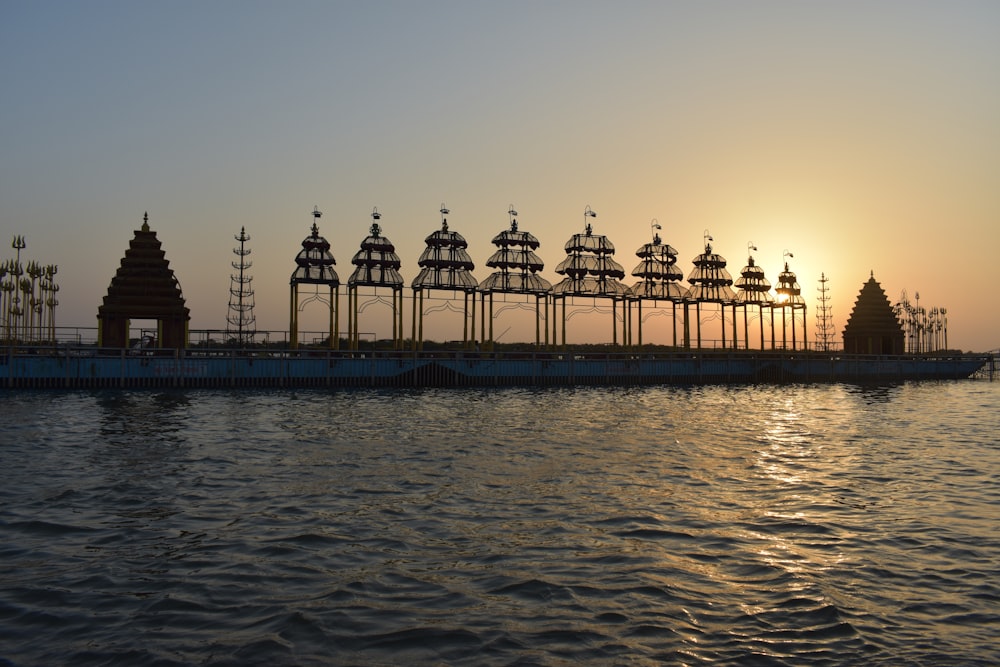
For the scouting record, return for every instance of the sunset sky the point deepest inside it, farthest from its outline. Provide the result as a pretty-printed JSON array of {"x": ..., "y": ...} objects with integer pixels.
[{"x": 859, "y": 136}]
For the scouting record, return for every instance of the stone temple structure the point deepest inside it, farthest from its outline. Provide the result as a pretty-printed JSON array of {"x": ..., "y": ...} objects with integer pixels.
[
  {"x": 873, "y": 327},
  {"x": 145, "y": 288}
]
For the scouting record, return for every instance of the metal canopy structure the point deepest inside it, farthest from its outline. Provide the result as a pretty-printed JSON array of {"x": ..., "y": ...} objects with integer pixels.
[
  {"x": 710, "y": 283},
  {"x": 789, "y": 297},
  {"x": 378, "y": 267},
  {"x": 752, "y": 289},
  {"x": 517, "y": 273},
  {"x": 314, "y": 266},
  {"x": 660, "y": 278},
  {"x": 590, "y": 271},
  {"x": 144, "y": 287},
  {"x": 445, "y": 264}
]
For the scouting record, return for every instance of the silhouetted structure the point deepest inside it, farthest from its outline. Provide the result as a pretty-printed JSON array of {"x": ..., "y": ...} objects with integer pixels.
[
  {"x": 752, "y": 289},
  {"x": 872, "y": 327},
  {"x": 28, "y": 304},
  {"x": 377, "y": 267},
  {"x": 590, "y": 271},
  {"x": 314, "y": 266},
  {"x": 240, "y": 319},
  {"x": 660, "y": 278},
  {"x": 517, "y": 273},
  {"x": 923, "y": 327},
  {"x": 444, "y": 264},
  {"x": 789, "y": 297},
  {"x": 49, "y": 288},
  {"x": 10, "y": 284},
  {"x": 824, "y": 319},
  {"x": 710, "y": 283},
  {"x": 144, "y": 287},
  {"x": 937, "y": 329}
]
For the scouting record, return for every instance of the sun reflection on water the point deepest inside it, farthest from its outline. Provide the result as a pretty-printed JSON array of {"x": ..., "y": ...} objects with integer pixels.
[{"x": 795, "y": 468}]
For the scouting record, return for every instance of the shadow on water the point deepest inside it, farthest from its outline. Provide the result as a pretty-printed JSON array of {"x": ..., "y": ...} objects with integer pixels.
[
  {"x": 875, "y": 394},
  {"x": 143, "y": 417},
  {"x": 141, "y": 449}
]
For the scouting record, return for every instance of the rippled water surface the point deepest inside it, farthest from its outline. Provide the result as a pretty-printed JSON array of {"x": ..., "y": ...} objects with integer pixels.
[{"x": 773, "y": 525}]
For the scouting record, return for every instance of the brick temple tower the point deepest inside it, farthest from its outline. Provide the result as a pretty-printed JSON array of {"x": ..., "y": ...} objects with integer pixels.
[
  {"x": 144, "y": 287},
  {"x": 873, "y": 327}
]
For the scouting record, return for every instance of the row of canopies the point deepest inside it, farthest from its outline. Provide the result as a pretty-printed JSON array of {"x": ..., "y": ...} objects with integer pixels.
[{"x": 588, "y": 270}]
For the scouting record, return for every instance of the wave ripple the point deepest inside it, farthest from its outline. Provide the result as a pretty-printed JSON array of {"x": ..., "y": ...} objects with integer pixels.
[{"x": 821, "y": 525}]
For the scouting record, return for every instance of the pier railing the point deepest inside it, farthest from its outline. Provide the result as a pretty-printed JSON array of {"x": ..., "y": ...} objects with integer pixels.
[
  {"x": 215, "y": 339},
  {"x": 87, "y": 366}
]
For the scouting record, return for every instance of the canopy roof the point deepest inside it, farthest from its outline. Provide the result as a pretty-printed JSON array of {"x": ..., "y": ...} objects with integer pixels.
[
  {"x": 516, "y": 262},
  {"x": 788, "y": 290},
  {"x": 445, "y": 263},
  {"x": 710, "y": 281},
  {"x": 659, "y": 272},
  {"x": 377, "y": 262},
  {"x": 314, "y": 263},
  {"x": 589, "y": 268},
  {"x": 752, "y": 286}
]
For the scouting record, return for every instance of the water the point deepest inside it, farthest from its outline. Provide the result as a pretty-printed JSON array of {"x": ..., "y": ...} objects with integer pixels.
[{"x": 771, "y": 525}]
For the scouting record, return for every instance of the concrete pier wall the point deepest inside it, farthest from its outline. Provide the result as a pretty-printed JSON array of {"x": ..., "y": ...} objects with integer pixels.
[{"x": 114, "y": 368}]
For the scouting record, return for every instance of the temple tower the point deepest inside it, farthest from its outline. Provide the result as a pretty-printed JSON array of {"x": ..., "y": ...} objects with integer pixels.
[
  {"x": 873, "y": 327},
  {"x": 144, "y": 287}
]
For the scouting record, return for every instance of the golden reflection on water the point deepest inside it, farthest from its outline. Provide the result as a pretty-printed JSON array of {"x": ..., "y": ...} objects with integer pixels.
[
  {"x": 779, "y": 525},
  {"x": 795, "y": 463},
  {"x": 758, "y": 482}
]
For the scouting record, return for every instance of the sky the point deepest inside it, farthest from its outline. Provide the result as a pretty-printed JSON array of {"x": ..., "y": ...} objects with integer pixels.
[{"x": 861, "y": 137}]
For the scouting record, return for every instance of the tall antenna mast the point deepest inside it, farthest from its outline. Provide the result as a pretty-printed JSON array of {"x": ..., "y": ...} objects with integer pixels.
[
  {"x": 824, "y": 322},
  {"x": 241, "y": 318}
]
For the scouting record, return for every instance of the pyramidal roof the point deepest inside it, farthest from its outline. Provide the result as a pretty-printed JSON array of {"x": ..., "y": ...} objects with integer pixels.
[
  {"x": 872, "y": 314},
  {"x": 144, "y": 286}
]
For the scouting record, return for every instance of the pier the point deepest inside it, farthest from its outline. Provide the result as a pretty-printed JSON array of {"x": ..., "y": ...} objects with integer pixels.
[
  {"x": 88, "y": 367},
  {"x": 990, "y": 367}
]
